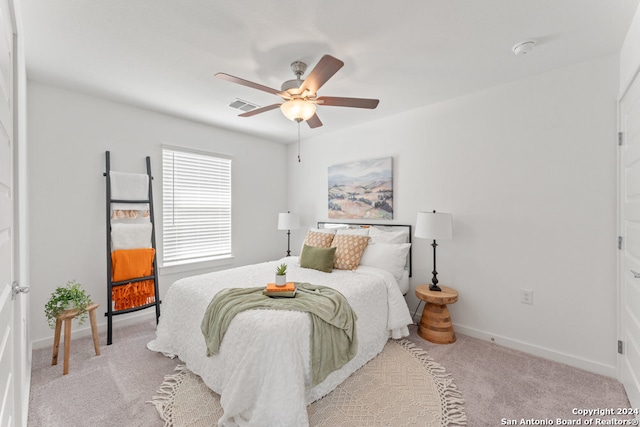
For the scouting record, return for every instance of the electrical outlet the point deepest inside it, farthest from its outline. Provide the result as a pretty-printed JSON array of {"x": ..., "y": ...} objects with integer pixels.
[{"x": 526, "y": 296}]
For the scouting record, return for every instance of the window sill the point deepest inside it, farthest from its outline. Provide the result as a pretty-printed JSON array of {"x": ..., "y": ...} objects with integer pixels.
[{"x": 195, "y": 266}]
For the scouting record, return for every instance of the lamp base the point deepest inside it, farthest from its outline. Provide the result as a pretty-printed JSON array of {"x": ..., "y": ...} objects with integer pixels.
[
  {"x": 288, "y": 242},
  {"x": 434, "y": 280}
]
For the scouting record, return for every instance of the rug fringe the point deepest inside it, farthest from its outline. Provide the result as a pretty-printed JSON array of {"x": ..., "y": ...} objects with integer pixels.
[
  {"x": 453, "y": 403},
  {"x": 163, "y": 402}
]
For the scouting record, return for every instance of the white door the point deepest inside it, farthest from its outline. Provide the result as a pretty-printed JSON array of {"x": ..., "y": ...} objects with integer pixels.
[
  {"x": 13, "y": 357},
  {"x": 629, "y": 196}
]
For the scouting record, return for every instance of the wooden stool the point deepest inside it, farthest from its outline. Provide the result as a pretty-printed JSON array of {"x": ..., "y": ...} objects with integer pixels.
[
  {"x": 67, "y": 316},
  {"x": 435, "y": 323}
]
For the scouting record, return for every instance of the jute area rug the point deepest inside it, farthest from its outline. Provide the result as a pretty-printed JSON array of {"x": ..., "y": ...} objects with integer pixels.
[{"x": 402, "y": 386}]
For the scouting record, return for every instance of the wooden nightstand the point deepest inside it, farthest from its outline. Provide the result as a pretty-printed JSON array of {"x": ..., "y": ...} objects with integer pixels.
[{"x": 435, "y": 323}]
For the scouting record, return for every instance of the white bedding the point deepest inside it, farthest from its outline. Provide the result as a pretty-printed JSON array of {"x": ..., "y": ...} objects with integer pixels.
[{"x": 262, "y": 371}]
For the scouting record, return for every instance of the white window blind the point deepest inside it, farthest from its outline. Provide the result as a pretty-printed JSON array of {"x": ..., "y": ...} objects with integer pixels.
[{"x": 196, "y": 199}]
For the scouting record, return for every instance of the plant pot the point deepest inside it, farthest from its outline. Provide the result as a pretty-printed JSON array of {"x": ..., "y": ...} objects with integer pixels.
[{"x": 281, "y": 280}]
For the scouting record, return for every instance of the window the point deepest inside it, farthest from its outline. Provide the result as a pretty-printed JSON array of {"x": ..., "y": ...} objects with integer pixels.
[{"x": 196, "y": 206}]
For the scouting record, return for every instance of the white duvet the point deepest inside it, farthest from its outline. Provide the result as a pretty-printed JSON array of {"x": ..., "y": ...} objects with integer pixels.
[{"x": 262, "y": 371}]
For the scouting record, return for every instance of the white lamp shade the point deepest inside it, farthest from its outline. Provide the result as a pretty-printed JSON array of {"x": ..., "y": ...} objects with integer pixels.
[
  {"x": 288, "y": 221},
  {"x": 295, "y": 109},
  {"x": 434, "y": 225}
]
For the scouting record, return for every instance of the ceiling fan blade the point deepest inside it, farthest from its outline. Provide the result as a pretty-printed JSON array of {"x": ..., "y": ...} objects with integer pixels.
[
  {"x": 337, "y": 101},
  {"x": 323, "y": 71},
  {"x": 259, "y": 110},
  {"x": 314, "y": 121},
  {"x": 243, "y": 82}
]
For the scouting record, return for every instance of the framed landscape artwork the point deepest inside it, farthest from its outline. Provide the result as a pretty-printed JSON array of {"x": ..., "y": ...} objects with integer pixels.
[{"x": 361, "y": 189}]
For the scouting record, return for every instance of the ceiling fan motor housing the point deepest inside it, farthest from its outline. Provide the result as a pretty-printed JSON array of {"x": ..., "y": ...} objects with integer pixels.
[
  {"x": 291, "y": 84},
  {"x": 298, "y": 68}
]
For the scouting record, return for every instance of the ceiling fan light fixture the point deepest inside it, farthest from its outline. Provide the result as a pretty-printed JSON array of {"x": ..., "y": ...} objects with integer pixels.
[{"x": 298, "y": 109}]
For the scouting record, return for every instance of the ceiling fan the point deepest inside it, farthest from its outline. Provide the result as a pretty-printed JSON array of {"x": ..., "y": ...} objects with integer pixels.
[{"x": 300, "y": 96}]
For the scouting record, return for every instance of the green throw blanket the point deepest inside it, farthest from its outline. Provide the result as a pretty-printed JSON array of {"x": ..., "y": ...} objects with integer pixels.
[{"x": 333, "y": 322}]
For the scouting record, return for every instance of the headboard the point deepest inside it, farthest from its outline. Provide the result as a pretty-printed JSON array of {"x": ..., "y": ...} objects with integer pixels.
[{"x": 386, "y": 227}]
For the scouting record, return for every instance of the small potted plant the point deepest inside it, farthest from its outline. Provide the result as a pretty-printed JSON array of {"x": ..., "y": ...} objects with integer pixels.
[
  {"x": 66, "y": 297},
  {"x": 281, "y": 275}
]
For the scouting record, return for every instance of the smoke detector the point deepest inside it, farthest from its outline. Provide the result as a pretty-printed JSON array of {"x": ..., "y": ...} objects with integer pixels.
[{"x": 523, "y": 47}]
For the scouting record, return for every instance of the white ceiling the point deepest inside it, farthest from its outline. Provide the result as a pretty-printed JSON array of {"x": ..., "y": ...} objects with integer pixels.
[{"x": 162, "y": 54}]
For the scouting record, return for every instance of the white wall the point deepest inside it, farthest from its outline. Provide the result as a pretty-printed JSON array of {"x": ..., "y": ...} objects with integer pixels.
[
  {"x": 630, "y": 53},
  {"x": 528, "y": 171},
  {"x": 69, "y": 133}
]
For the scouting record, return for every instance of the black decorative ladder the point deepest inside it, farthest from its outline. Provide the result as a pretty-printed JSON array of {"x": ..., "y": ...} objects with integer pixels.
[{"x": 154, "y": 276}]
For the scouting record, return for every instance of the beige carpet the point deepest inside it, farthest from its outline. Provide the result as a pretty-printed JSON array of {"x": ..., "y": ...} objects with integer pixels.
[{"x": 401, "y": 386}]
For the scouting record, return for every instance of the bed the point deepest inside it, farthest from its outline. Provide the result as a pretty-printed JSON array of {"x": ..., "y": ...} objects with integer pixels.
[{"x": 262, "y": 371}]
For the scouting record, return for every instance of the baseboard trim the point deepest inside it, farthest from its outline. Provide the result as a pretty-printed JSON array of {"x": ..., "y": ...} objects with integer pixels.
[
  {"x": 85, "y": 329},
  {"x": 556, "y": 356}
]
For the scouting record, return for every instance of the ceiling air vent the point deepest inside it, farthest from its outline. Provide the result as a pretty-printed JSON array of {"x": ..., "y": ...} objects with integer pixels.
[{"x": 242, "y": 105}]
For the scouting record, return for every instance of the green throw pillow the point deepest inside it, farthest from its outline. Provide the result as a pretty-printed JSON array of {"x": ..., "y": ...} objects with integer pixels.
[{"x": 317, "y": 258}]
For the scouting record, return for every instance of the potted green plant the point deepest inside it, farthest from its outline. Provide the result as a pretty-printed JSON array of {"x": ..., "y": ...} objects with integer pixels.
[
  {"x": 281, "y": 275},
  {"x": 66, "y": 297}
]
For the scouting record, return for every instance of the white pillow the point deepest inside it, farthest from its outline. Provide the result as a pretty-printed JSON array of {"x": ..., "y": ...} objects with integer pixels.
[
  {"x": 354, "y": 231},
  {"x": 387, "y": 256},
  {"x": 380, "y": 236}
]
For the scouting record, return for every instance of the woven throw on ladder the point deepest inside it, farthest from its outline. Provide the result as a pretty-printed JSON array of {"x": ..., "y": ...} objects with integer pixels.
[{"x": 130, "y": 264}]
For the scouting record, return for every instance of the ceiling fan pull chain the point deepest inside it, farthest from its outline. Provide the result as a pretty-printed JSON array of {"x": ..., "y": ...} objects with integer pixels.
[{"x": 298, "y": 141}]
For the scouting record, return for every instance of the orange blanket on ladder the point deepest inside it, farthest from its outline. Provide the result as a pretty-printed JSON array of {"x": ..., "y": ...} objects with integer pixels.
[{"x": 129, "y": 264}]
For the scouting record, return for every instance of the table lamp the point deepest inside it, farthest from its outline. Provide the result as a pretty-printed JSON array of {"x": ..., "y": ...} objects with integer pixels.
[
  {"x": 434, "y": 225},
  {"x": 288, "y": 221}
]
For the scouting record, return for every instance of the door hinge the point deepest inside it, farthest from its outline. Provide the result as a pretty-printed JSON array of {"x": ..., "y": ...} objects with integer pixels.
[
  {"x": 619, "y": 346},
  {"x": 620, "y": 138},
  {"x": 620, "y": 243}
]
